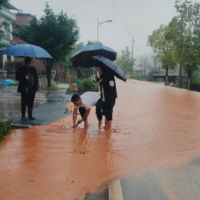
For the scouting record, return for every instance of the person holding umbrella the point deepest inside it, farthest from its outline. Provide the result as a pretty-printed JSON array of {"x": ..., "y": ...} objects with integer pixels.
[
  {"x": 108, "y": 92},
  {"x": 28, "y": 85}
]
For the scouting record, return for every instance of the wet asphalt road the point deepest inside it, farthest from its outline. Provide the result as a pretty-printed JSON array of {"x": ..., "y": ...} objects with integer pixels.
[{"x": 154, "y": 149}]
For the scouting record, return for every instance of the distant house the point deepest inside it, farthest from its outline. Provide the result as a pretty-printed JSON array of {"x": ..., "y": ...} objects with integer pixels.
[
  {"x": 154, "y": 61},
  {"x": 155, "y": 64},
  {"x": 7, "y": 16},
  {"x": 21, "y": 18}
]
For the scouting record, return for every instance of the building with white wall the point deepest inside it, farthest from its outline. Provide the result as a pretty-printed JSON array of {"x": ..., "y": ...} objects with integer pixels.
[{"x": 6, "y": 16}]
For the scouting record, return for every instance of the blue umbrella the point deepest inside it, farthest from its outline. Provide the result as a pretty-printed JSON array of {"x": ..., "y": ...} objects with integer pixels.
[
  {"x": 83, "y": 58},
  {"x": 26, "y": 50},
  {"x": 112, "y": 66}
]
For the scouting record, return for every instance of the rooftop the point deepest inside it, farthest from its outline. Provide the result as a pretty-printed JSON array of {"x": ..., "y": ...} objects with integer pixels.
[{"x": 9, "y": 6}]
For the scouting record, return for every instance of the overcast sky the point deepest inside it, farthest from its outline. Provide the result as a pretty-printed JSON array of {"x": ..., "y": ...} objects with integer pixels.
[{"x": 131, "y": 19}]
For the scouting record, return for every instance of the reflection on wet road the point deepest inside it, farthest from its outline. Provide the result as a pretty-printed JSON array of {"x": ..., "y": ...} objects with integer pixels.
[{"x": 155, "y": 138}]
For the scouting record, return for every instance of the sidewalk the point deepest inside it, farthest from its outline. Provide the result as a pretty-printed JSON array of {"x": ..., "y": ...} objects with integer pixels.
[
  {"x": 50, "y": 111},
  {"x": 10, "y": 105}
]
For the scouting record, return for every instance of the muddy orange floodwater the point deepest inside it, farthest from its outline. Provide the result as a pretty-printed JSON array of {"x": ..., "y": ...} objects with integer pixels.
[{"x": 154, "y": 127}]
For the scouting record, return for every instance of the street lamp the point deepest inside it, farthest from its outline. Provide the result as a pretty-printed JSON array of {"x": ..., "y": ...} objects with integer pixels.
[{"x": 98, "y": 24}]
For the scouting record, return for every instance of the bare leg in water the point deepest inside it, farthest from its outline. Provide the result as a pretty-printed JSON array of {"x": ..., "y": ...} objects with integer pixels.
[
  {"x": 100, "y": 124},
  {"x": 109, "y": 125},
  {"x": 106, "y": 124}
]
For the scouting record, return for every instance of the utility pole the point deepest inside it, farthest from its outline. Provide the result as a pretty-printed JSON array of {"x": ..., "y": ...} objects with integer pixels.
[
  {"x": 97, "y": 31},
  {"x": 98, "y": 24},
  {"x": 133, "y": 41}
]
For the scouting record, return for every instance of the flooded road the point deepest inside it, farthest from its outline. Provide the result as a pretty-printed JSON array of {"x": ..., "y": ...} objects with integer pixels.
[{"x": 155, "y": 128}]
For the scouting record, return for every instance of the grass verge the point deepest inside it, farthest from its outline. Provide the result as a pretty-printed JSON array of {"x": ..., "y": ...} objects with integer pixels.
[{"x": 5, "y": 129}]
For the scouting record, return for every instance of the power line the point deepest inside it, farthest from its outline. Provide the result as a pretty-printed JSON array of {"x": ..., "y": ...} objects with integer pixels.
[
  {"x": 121, "y": 19},
  {"x": 115, "y": 19},
  {"x": 136, "y": 5}
]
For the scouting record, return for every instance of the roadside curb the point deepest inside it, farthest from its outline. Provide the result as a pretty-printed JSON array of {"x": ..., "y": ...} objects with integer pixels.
[
  {"x": 21, "y": 126},
  {"x": 115, "y": 190}
]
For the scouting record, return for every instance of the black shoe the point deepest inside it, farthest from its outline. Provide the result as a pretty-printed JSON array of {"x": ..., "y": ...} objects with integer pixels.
[
  {"x": 31, "y": 118},
  {"x": 24, "y": 119}
]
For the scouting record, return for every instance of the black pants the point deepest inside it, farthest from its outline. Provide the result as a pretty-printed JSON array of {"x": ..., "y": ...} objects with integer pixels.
[
  {"x": 98, "y": 110},
  {"x": 108, "y": 109},
  {"x": 27, "y": 99}
]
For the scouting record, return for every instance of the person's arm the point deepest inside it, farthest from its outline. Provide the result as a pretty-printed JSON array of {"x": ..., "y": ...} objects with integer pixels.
[
  {"x": 75, "y": 116},
  {"x": 87, "y": 112},
  {"x": 18, "y": 75},
  {"x": 106, "y": 80},
  {"x": 97, "y": 78}
]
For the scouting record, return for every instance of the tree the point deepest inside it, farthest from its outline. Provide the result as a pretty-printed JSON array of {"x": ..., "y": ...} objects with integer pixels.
[
  {"x": 125, "y": 61},
  {"x": 54, "y": 33},
  {"x": 90, "y": 42},
  {"x": 184, "y": 32},
  {"x": 82, "y": 72},
  {"x": 76, "y": 47},
  {"x": 163, "y": 48},
  {"x": 3, "y": 2}
]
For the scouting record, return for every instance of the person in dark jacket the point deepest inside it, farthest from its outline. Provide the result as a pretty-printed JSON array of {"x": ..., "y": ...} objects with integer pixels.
[
  {"x": 108, "y": 92},
  {"x": 28, "y": 85}
]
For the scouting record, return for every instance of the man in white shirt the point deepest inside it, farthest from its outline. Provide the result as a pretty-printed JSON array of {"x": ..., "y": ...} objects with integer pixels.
[{"x": 84, "y": 103}]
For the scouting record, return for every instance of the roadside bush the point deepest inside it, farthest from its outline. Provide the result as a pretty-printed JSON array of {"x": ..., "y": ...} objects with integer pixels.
[
  {"x": 88, "y": 85},
  {"x": 53, "y": 87},
  {"x": 14, "y": 84},
  {"x": 69, "y": 90},
  {"x": 5, "y": 129},
  {"x": 195, "y": 81},
  {"x": 140, "y": 78},
  {"x": 150, "y": 75},
  {"x": 195, "y": 77}
]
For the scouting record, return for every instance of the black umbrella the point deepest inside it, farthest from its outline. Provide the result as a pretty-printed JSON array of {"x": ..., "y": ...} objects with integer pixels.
[
  {"x": 83, "y": 58},
  {"x": 111, "y": 65}
]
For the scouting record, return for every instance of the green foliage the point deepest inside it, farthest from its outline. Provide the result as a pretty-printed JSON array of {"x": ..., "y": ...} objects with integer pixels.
[
  {"x": 90, "y": 42},
  {"x": 159, "y": 80},
  {"x": 82, "y": 72},
  {"x": 195, "y": 77},
  {"x": 3, "y": 2},
  {"x": 125, "y": 61},
  {"x": 56, "y": 33},
  {"x": 163, "y": 47},
  {"x": 14, "y": 84},
  {"x": 140, "y": 78},
  {"x": 88, "y": 85},
  {"x": 184, "y": 32},
  {"x": 11, "y": 84},
  {"x": 52, "y": 87},
  {"x": 76, "y": 47},
  {"x": 5, "y": 129},
  {"x": 150, "y": 75},
  {"x": 69, "y": 90}
]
